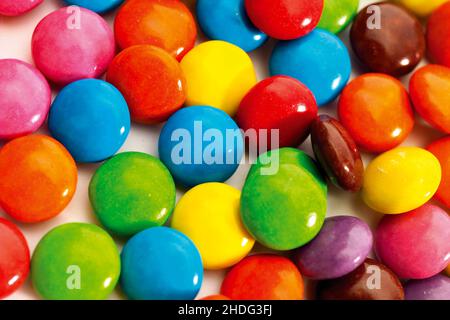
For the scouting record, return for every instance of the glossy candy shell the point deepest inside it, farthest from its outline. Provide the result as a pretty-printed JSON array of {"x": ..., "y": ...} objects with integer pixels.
[
  {"x": 99, "y": 6},
  {"x": 438, "y": 35},
  {"x": 337, "y": 14},
  {"x": 434, "y": 288},
  {"x": 441, "y": 150},
  {"x": 17, "y": 7}
]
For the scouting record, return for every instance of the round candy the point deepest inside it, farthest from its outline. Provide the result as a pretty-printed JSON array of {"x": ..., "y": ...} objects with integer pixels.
[
  {"x": 416, "y": 244},
  {"x": 337, "y": 14},
  {"x": 151, "y": 81},
  {"x": 99, "y": 6},
  {"x": 201, "y": 144},
  {"x": 72, "y": 43},
  {"x": 216, "y": 297},
  {"x": 25, "y": 98},
  {"x": 401, "y": 180},
  {"x": 441, "y": 150},
  {"x": 421, "y": 8},
  {"x": 340, "y": 247},
  {"x": 285, "y": 19},
  {"x": 167, "y": 24},
  {"x": 430, "y": 93},
  {"x": 370, "y": 281},
  {"x": 38, "y": 178},
  {"x": 218, "y": 74},
  {"x": 278, "y": 103},
  {"x": 161, "y": 264},
  {"x": 91, "y": 119},
  {"x": 435, "y": 288},
  {"x": 388, "y": 39},
  {"x": 378, "y": 102},
  {"x": 337, "y": 153},
  {"x": 447, "y": 270},
  {"x": 14, "y": 258},
  {"x": 209, "y": 215},
  {"x": 438, "y": 35},
  {"x": 320, "y": 61},
  {"x": 227, "y": 20},
  {"x": 75, "y": 261},
  {"x": 263, "y": 277},
  {"x": 283, "y": 201},
  {"x": 17, "y": 7},
  {"x": 131, "y": 192}
]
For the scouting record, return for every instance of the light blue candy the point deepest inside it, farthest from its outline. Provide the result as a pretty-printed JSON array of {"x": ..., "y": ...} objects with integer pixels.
[
  {"x": 99, "y": 6},
  {"x": 319, "y": 60},
  {"x": 227, "y": 20},
  {"x": 90, "y": 118},
  {"x": 161, "y": 264},
  {"x": 200, "y": 144}
]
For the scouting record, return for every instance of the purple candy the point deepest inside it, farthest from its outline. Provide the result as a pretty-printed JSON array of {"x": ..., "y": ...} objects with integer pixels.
[
  {"x": 434, "y": 288},
  {"x": 339, "y": 248}
]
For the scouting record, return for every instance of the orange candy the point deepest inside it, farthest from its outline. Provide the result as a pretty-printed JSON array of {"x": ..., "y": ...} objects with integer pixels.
[
  {"x": 151, "y": 81},
  {"x": 38, "y": 178},
  {"x": 441, "y": 150},
  {"x": 167, "y": 24},
  {"x": 376, "y": 111},
  {"x": 215, "y": 297}
]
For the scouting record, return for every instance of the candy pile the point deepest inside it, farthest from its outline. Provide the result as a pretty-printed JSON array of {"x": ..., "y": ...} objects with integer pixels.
[{"x": 214, "y": 114}]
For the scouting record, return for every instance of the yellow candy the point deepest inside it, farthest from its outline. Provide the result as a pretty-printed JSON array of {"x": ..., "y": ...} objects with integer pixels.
[
  {"x": 209, "y": 215},
  {"x": 218, "y": 74},
  {"x": 421, "y": 8},
  {"x": 401, "y": 180}
]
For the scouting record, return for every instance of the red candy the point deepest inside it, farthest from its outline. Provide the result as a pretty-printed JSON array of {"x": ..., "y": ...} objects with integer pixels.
[
  {"x": 441, "y": 150},
  {"x": 263, "y": 277},
  {"x": 14, "y": 258},
  {"x": 285, "y": 19},
  {"x": 438, "y": 35},
  {"x": 282, "y": 103}
]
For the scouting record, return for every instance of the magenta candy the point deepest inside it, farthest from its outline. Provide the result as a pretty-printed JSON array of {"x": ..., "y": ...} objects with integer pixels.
[
  {"x": 416, "y": 244},
  {"x": 25, "y": 98},
  {"x": 72, "y": 43},
  {"x": 17, "y": 7},
  {"x": 434, "y": 288}
]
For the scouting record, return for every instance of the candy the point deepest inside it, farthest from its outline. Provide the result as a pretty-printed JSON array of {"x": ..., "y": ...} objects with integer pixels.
[
  {"x": 75, "y": 261},
  {"x": 209, "y": 215},
  {"x": 320, "y": 61},
  {"x": 337, "y": 153},
  {"x": 167, "y": 24},
  {"x": 447, "y": 270},
  {"x": 421, "y": 8},
  {"x": 438, "y": 35},
  {"x": 370, "y": 281},
  {"x": 278, "y": 103},
  {"x": 441, "y": 150},
  {"x": 435, "y": 288},
  {"x": 337, "y": 14},
  {"x": 25, "y": 98},
  {"x": 14, "y": 258},
  {"x": 283, "y": 201},
  {"x": 161, "y": 264},
  {"x": 17, "y": 7},
  {"x": 91, "y": 119},
  {"x": 38, "y": 178},
  {"x": 151, "y": 81},
  {"x": 429, "y": 88},
  {"x": 285, "y": 19},
  {"x": 416, "y": 244},
  {"x": 201, "y": 144},
  {"x": 218, "y": 74},
  {"x": 215, "y": 297},
  {"x": 72, "y": 43},
  {"x": 340, "y": 247},
  {"x": 376, "y": 111},
  {"x": 131, "y": 192},
  {"x": 388, "y": 39},
  {"x": 99, "y": 6},
  {"x": 227, "y": 20},
  {"x": 263, "y": 277}
]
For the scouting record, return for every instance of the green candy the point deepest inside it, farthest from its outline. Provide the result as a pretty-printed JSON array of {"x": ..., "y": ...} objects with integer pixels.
[
  {"x": 75, "y": 261},
  {"x": 284, "y": 210},
  {"x": 131, "y": 192},
  {"x": 337, "y": 14}
]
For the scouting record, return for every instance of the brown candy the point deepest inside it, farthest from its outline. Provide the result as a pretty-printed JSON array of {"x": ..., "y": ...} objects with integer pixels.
[{"x": 388, "y": 39}]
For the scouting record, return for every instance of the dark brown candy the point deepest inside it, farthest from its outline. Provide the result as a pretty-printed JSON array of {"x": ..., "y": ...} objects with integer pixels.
[
  {"x": 337, "y": 153},
  {"x": 388, "y": 39},
  {"x": 370, "y": 281}
]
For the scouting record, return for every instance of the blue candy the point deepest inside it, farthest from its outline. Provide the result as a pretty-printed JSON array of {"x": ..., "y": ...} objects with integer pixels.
[
  {"x": 200, "y": 144},
  {"x": 99, "y": 6},
  {"x": 227, "y": 20},
  {"x": 161, "y": 264},
  {"x": 319, "y": 60},
  {"x": 90, "y": 118}
]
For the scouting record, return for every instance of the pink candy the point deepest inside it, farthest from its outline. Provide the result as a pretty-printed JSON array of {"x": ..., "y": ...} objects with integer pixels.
[
  {"x": 17, "y": 7},
  {"x": 72, "y": 43},
  {"x": 25, "y": 98}
]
